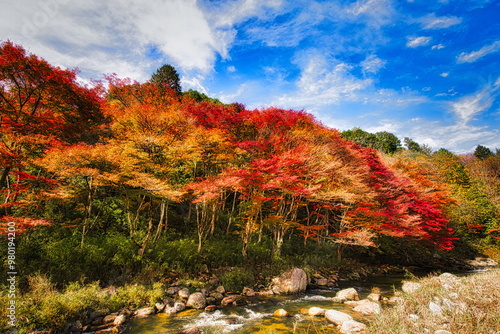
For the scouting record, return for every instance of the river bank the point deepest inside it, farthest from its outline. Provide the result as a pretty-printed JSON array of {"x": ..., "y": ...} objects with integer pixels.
[{"x": 90, "y": 308}]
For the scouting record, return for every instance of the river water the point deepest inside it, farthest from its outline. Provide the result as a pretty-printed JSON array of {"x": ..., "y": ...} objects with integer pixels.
[{"x": 257, "y": 317}]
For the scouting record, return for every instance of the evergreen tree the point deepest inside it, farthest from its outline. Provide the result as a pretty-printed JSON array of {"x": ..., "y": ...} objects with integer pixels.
[
  {"x": 167, "y": 76},
  {"x": 482, "y": 152}
]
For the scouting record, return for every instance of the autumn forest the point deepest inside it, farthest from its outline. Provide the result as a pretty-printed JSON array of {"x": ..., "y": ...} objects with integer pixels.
[{"x": 124, "y": 181}]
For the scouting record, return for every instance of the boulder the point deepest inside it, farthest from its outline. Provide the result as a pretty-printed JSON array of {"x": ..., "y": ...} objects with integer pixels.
[
  {"x": 248, "y": 292},
  {"x": 170, "y": 310},
  {"x": 374, "y": 297},
  {"x": 210, "y": 308},
  {"x": 410, "y": 287},
  {"x": 447, "y": 280},
  {"x": 346, "y": 294},
  {"x": 220, "y": 289},
  {"x": 368, "y": 308},
  {"x": 320, "y": 280},
  {"x": 159, "y": 307},
  {"x": 337, "y": 317},
  {"x": 281, "y": 313},
  {"x": 144, "y": 312},
  {"x": 110, "y": 318},
  {"x": 173, "y": 290},
  {"x": 315, "y": 311},
  {"x": 197, "y": 300},
  {"x": 352, "y": 327},
  {"x": 217, "y": 296},
  {"x": 184, "y": 293},
  {"x": 120, "y": 320},
  {"x": 229, "y": 300},
  {"x": 483, "y": 262},
  {"x": 179, "y": 306},
  {"x": 293, "y": 281},
  {"x": 435, "y": 309}
]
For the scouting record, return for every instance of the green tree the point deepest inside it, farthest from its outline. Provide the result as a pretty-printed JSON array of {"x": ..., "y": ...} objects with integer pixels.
[
  {"x": 199, "y": 97},
  {"x": 167, "y": 76},
  {"x": 387, "y": 142},
  {"x": 360, "y": 137},
  {"x": 482, "y": 152},
  {"x": 383, "y": 141},
  {"x": 413, "y": 146}
]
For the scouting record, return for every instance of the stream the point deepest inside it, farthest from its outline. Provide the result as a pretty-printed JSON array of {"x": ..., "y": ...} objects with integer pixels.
[{"x": 257, "y": 317}]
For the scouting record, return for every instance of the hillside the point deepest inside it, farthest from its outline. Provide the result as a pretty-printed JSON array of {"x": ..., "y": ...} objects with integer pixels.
[{"x": 136, "y": 181}]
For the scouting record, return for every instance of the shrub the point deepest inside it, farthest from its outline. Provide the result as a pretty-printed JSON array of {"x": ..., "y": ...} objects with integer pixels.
[
  {"x": 236, "y": 279},
  {"x": 45, "y": 308}
]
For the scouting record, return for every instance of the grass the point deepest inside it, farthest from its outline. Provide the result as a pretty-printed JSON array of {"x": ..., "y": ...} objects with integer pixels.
[
  {"x": 468, "y": 305},
  {"x": 45, "y": 308}
]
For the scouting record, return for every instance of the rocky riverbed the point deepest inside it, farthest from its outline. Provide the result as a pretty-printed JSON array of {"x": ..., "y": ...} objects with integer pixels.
[{"x": 293, "y": 300}]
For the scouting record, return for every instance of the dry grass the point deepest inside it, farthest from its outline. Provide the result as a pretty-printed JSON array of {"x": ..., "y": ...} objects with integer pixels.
[{"x": 463, "y": 305}]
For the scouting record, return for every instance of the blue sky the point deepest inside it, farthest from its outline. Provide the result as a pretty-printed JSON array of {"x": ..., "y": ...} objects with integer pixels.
[{"x": 429, "y": 70}]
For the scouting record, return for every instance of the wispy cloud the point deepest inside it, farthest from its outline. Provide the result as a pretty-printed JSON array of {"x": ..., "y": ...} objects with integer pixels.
[
  {"x": 457, "y": 137},
  {"x": 471, "y": 57},
  {"x": 469, "y": 106},
  {"x": 372, "y": 64},
  {"x": 431, "y": 21},
  {"x": 378, "y": 12},
  {"x": 414, "y": 42},
  {"x": 322, "y": 83},
  {"x": 438, "y": 47}
]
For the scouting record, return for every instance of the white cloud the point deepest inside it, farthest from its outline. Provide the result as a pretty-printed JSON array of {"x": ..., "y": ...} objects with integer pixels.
[
  {"x": 471, "y": 57},
  {"x": 326, "y": 85},
  {"x": 372, "y": 64},
  {"x": 231, "y": 12},
  {"x": 458, "y": 137},
  {"x": 414, "y": 42},
  {"x": 115, "y": 35},
  {"x": 378, "y": 12},
  {"x": 445, "y": 74},
  {"x": 438, "y": 47},
  {"x": 469, "y": 106},
  {"x": 170, "y": 26},
  {"x": 431, "y": 21},
  {"x": 323, "y": 83}
]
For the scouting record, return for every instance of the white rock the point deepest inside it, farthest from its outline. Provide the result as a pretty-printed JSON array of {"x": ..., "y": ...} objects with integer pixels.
[
  {"x": 120, "y": 320},
  {"x": 442, "y": 331},
  {"x": 435, "y": 308},
  {"x": 144, "y": 312},
  {"x": 170, "y": 310},
  {"x": 337, "y": 317},
  {"x": 352, "y": 326},
  {"x": 368, "y": 308},
  {"x": 314, "y": 311},
  {"x": 197, "y": 300},
  {"x": 410, "y": 287},
  {"x": 291, "y": 282},
  {"x": 159, "y": 307},
  {"x": 413, "y": 317},
  {"x": 179, "y": 306},
  {"x": 374, "y": 297},
  {"x": 184, "y": 293},
  {"x": 281, "y": 313},
  {"x": 346, "y": 294}
]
